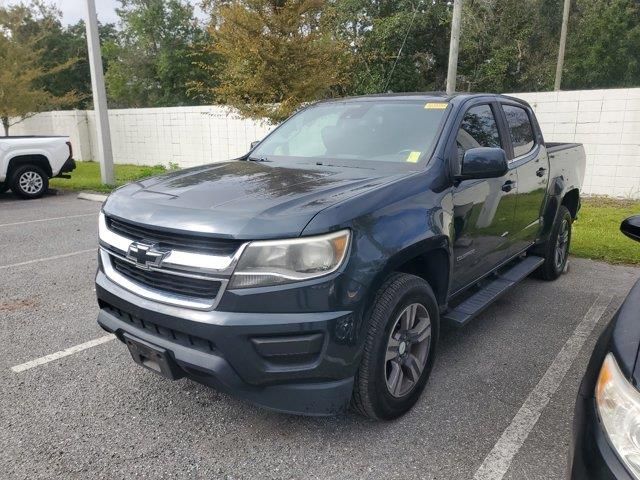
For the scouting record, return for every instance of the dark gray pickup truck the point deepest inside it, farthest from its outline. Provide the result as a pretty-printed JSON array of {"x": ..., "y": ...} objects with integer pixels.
[{"x": 315, "y": 272}]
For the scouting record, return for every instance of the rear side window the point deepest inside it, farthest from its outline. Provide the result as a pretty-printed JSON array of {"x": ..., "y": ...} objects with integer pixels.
[
  {"x": 520, "y": 130},
  {"x": 478, "y": 129}
]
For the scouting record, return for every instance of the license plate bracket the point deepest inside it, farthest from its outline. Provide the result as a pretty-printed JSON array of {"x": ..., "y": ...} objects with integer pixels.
[{"x": 152, "y": 357}]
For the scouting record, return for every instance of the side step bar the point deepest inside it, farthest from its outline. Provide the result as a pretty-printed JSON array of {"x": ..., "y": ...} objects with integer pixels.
[{"x": 464, "y": 312}]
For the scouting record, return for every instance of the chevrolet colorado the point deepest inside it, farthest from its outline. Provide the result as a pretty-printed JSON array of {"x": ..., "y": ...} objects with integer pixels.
[
  {"x": 314, "y": 273},
  {"x": 28, "y": 162}
]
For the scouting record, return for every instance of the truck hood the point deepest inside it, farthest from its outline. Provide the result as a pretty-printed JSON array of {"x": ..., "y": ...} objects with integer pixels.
[{"x": 241, "y": 199}]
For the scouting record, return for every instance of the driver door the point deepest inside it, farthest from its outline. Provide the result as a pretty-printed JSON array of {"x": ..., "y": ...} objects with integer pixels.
[{"x": 483, "y": 209}]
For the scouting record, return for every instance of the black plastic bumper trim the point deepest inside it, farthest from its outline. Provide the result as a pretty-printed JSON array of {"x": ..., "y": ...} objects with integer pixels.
[
  {"x": 307, "y": 398},
  {"x": 68, "y": 166}
]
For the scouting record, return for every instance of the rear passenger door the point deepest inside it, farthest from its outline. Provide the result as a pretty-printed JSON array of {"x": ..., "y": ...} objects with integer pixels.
[
  {"x": 483, "y": 209},
  {"x": 529, "y": 158}
]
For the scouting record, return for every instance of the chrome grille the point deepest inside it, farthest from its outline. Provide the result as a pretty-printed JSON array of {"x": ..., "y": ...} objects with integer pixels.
[
  {"x": 192, "y": 287},
  {"x": 188, "y": 274},
  {"x": 174, "y": 240}
]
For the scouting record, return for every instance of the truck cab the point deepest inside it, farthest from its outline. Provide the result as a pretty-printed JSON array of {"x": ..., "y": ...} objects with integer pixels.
[{"x": 314, "y": 273}]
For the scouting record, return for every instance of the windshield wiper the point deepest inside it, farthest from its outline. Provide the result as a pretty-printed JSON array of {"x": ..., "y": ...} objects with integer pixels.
[
  {"x": 324, "y": 164},
  {"x": 259, "y": 159}
]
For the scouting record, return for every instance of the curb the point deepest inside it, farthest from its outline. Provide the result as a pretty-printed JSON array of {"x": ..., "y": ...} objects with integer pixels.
[{"x": 93, "y": 197}]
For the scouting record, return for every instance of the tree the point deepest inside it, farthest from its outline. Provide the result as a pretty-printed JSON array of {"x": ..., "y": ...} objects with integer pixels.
[
  {"x": 24, "y": 70},
  {"x": 151, "y": 63},
  {"x": 276, "y": 55},
  {"x": 376, "y": 31},
  {"x": 62, "y": 44},
  {"x": 604, "y": 45},
  {"x": 509, "y": 45}
]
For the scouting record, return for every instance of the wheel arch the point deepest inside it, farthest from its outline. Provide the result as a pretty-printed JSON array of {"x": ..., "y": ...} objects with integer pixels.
[
  {"x": 36, "y": 159},
  {"x": 571, "y": 200},
  {"x": 429, "y": 260},
  {"x": 433, "y": 267},
  {"x": 559, "y": 194}
]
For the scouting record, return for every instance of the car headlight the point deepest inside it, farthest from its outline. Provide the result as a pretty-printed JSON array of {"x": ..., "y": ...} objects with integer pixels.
[
  {"x": 618, "y": 404},
  {"x": 274, "y": 262}
]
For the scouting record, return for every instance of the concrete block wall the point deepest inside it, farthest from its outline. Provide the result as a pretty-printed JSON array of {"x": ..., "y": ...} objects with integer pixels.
[
  {"x": 70, "y": 123},
  {"x": 607, "y": 122},
  {"x": 187, "y": 136}
]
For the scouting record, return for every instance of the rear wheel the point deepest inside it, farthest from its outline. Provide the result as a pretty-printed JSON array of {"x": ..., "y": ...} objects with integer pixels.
[
  {"x": 556, "y": 250},
  {"x": 29, "y": 181},
  {"x": 399, "y": 349}
]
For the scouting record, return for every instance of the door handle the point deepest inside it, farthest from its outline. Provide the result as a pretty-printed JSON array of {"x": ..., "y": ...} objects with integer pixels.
[
  {"x": 509, "y": 185},
  {"x": 540, "y": 171}
]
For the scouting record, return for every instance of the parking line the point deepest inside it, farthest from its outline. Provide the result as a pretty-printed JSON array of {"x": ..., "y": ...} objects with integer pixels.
[
  {"x": 62, "y": 353},
  {"x": 55, "y": 257},
  {"x": 496, "y": 464},
  {"x": 47, "y": 219}
]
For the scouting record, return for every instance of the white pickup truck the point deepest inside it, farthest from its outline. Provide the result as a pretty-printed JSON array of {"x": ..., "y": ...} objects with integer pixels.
[{"x": 27, "y": 163}]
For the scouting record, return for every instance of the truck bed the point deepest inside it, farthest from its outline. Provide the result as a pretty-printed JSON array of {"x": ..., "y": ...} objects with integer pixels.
[
  {"x": 568, "y": 163},
  {"x": 554, "y": 147}
]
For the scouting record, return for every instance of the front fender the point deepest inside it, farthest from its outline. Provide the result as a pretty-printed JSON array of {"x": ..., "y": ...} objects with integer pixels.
[{"x": 392, "y": 225}]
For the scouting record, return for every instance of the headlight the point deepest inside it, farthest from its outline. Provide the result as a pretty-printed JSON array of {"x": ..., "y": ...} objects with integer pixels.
[
  {"x": 283, "y": 261},
  {"x": 618, "y": 404}
]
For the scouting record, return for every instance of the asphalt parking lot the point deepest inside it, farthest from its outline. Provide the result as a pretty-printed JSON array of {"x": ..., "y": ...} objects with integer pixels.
[{"x": 499, "y": 403}]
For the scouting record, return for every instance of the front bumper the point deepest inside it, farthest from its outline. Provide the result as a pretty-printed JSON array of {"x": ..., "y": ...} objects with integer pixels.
[{"x": 290, "y": 362}]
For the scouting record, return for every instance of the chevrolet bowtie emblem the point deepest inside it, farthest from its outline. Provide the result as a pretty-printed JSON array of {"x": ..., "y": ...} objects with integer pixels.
[{"x": 146, "y": 255}]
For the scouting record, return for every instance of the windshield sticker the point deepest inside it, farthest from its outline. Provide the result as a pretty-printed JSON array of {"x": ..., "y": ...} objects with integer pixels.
[
  {"x": 413, "y": 157},
  {"x": 436, "y": 106}
]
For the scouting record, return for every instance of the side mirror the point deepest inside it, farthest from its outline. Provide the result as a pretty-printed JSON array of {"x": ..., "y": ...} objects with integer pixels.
[
  {"x": 254, "y": 144},
  {"x": 631, "y": 227},
  {"x": 483, "y": 162}
]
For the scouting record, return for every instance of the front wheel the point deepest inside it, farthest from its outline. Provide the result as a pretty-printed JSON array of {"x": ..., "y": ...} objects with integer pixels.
[
  {"x": 29, "y": 181},
  {"x": 399, "y": 349},
  {"x": 556, "y": 249}
]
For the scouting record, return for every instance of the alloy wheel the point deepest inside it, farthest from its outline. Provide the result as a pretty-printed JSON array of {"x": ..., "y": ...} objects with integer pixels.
[
  {"x": 562, "y": 244},
  {"x": 31, "y": 182},
  {"x": 407, "y": 349}
]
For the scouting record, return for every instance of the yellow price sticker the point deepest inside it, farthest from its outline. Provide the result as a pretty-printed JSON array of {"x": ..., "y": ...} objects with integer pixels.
[
  {"x": 413, "y": 157},
  {"x": 436, "y": 106}
]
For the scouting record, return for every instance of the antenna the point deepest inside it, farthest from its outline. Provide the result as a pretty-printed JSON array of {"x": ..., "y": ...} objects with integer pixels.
[{"x": 415, "y": 11}]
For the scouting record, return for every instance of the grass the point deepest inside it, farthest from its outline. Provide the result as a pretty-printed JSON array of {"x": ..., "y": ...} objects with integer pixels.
[
  {"x": 86, "y": 176},
  {"x": 596, "y": 233}
]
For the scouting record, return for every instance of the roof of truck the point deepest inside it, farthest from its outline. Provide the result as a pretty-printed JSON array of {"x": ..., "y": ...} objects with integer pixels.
[{"x": 439, "y": 96}]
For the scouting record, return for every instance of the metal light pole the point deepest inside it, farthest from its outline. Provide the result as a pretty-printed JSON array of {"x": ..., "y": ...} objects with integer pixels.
[
  {"x": 456, "y": 22},
  {"x": 563, "y": 44},
  {"x": 105, "y": 155}
]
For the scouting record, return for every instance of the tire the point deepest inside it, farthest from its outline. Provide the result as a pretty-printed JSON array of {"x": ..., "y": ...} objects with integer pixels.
[
  {"x": 556, "y": 250},
  {"x": 387, "y": 387},
  {"x": 29, "y": 181}
]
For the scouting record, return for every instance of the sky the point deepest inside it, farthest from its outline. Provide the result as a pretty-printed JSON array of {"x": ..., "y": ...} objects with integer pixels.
[{"x": 74, "y": 10}]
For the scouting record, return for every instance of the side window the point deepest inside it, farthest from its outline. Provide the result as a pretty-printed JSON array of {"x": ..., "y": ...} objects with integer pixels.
[
  {"x": 520, "y": 130},
  {"x": 478, "y": 129}
]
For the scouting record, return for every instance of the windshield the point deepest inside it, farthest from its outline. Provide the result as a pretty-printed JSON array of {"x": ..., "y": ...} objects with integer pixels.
[{"x": 388, "y": 130}]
